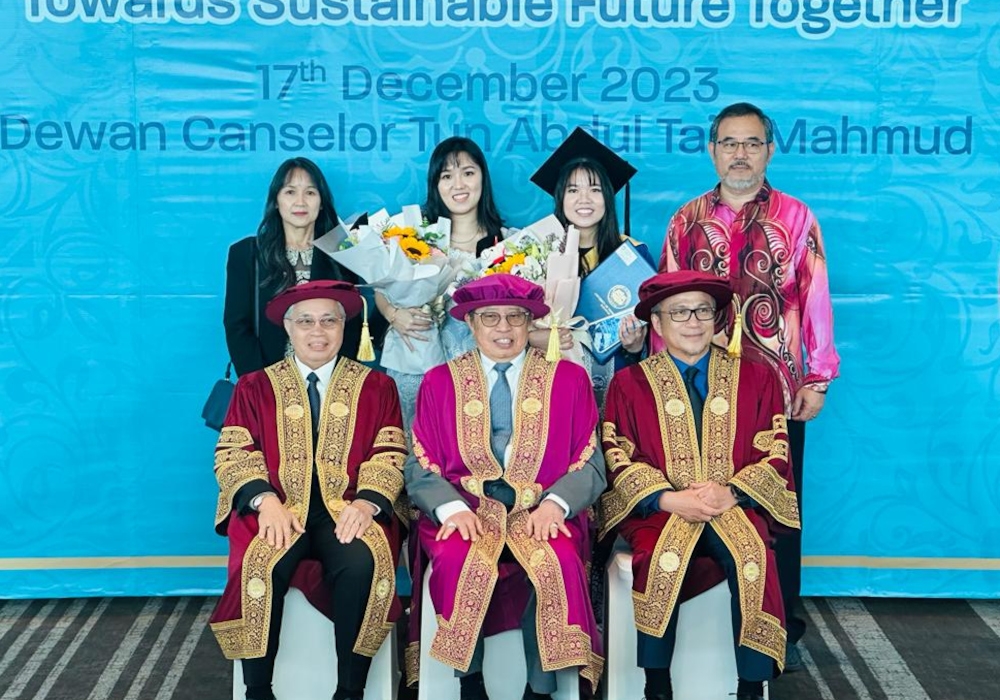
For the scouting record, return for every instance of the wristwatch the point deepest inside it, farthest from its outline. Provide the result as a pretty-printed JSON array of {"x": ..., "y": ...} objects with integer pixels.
[{"x": 258, "y": 499}]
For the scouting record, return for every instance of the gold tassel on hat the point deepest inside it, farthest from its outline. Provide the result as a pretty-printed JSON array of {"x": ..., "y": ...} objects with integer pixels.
[
  {"x": 552, "y": 353},
  {"x": 366, "y": 350},
  {"x": 735, "y": 347}
]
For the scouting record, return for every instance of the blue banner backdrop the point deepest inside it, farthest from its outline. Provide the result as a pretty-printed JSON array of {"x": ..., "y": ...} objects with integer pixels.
[{"x": 137, "y": 139}]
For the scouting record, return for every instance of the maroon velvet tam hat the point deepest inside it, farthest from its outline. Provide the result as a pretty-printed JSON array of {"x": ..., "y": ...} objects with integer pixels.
[
  {"x": 499, "y": 290},
  {"x": 344, "y": 292},
  {"x": 656, "y": 289}
]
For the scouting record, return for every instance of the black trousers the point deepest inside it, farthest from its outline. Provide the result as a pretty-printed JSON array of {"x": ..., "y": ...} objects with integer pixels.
[
  {"x": 788, "y": 548},
  {"x": 751, "y": 665},
  {"x": 348, "y": 569}
]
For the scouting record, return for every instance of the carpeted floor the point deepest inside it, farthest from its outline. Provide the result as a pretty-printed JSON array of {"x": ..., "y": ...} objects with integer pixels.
[{"x": 160, "y": 648}]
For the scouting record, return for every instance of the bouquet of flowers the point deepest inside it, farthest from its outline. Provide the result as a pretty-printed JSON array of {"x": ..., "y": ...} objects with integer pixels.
[
  {"x": 406, "y": 259},
  {"x": 548, "y": 255}
]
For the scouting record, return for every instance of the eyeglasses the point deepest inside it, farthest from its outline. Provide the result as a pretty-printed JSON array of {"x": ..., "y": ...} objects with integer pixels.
[
  {"x": 729, "y": 146},
  {"x": 307, "y": 323},
  {"x": 702, "y": 313},
  {"x": 492, "y": 318}
]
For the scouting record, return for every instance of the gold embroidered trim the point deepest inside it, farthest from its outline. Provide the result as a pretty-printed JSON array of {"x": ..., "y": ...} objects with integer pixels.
[
  {"x": 750, "y": 555},
  {"x": 655, "y": 604},
  {"x": 336, "y": 428},
  {"x": 234, "y": 468},
  {"x": 530, "y": 427},
  {"x": 375, "y": 625},
  {"x": 246, "y": 637},
  {"x": 766, "y": 635},
  {"x": 455, "y": 640},
  {"x": 560, "y": 644},
  {"x": 294, "y": 431},
  {"x": 234, "y": 436},
  {"x": 586, "y": 454},
  {"x": 383, "y": 474},
  {"x": 412, "y": 662},
  {"x": 632, "y": 485},
  {"x": 390, "y": 437},
  {"x": 420, "y": 452},
  {"x": 761, "y": 480},
  {"x": 763, "y": 484}
]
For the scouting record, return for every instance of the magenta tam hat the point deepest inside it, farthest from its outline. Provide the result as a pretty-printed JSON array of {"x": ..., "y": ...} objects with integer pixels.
[
  {"x": 344, "y": 292},
  {"x": 499, "y": 290}
]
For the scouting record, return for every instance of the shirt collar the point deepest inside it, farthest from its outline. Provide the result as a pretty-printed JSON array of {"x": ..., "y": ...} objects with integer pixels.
[
  {"x": 701, "y": 364},
  {"x": 763, "y": 194},
  {"x": 489, "y": 364},
  {"x": 324, "y": 372}
]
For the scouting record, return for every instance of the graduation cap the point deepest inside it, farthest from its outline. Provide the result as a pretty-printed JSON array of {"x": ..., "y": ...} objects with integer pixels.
[{"x": 579, "y": 145}]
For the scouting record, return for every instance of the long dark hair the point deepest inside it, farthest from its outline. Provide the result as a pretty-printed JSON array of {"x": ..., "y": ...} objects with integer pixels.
[
  {"x": 446, "y": 153},
  {"x": 608, "y": 236},
  {"x": 275, "y": 269}
]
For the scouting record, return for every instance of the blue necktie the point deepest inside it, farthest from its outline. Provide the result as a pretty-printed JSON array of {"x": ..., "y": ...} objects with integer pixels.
[
  {"x": 697, "y": 402},
  {"x": 314, "y": 403},
  {"x": 501, "y": 418}
]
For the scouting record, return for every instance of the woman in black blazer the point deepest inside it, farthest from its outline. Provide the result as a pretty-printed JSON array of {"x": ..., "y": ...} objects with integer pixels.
[{"x": 299, "y": 207}]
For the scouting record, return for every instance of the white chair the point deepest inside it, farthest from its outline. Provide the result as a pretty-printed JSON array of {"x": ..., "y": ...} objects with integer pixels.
[
  {"x": 704, "y": 663},
  {"x": 504, "y": 668},
  {"x": 306, "y": 667}
]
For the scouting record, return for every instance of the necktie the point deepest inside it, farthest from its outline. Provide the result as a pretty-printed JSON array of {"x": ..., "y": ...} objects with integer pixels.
[
  {"x": 314, "y": 403},
  {"x": 501, "y": 418},
  {"x": 697, "y": 402}
]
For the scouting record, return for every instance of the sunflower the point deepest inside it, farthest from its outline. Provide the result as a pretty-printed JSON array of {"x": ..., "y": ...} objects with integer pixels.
[
  {"x": 511, "y": 262},
  {"x": 414, "y": 248},
  {"x": 399, "y": 232}
]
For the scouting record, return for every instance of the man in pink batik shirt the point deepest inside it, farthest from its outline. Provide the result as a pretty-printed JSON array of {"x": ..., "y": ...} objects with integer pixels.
[{"x": 768, "y": 245}]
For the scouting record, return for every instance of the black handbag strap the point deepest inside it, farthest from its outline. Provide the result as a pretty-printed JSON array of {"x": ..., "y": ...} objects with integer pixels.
[
  {"x": 256, "y": 293},
  {"x": 229, "y": 371}
]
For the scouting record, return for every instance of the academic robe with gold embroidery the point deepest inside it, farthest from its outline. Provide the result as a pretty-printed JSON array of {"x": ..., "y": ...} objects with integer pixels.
[
  {"x": 650, "y": 444},
  {"x": 268, "y": 435},
  {"x": 555, "y": 420}
]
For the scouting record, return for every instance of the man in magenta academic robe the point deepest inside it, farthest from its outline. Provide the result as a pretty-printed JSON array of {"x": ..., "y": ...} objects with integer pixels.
[
  {"x": 505, "y": 467},
  {"x": 309, "y": 466},
  {"x": 697, "y": 455}
]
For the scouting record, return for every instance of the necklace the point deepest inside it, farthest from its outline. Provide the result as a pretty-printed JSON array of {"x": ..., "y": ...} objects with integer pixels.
[{"x": 475, "y": 236}]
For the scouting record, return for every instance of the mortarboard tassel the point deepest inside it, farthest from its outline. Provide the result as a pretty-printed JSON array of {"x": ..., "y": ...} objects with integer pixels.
[{"x": 366, "y": 350}]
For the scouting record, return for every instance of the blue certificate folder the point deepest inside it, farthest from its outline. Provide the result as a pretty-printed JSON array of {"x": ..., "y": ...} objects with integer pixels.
[{"x": 610, "y": 292}]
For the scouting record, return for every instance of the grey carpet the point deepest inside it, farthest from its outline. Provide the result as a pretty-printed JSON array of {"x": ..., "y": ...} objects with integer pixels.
[{"x": 161, "y": 648}]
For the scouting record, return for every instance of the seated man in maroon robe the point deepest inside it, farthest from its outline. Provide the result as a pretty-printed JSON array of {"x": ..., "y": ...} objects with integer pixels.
[
  {"x": 697, "y": 455},
  {"x": 505, "y": 467},
  {"x": 309, "y": 466}
]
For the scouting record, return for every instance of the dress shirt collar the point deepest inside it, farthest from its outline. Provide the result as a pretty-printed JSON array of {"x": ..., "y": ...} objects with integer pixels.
[
  {"x": 701, "y": 380},
  {"x": 489, "y": 364},
  {"x": 324, "y": 372}
]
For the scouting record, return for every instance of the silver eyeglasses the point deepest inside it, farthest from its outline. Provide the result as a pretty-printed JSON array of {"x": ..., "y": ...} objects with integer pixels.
[
  {"x": 492, "y": 318},
  {"x": 729, "y": 146},
  {"x": 307, "y": 323}
]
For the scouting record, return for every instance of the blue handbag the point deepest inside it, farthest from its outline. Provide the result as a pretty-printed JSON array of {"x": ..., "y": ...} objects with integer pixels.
[{"x": 215, "y": 408}]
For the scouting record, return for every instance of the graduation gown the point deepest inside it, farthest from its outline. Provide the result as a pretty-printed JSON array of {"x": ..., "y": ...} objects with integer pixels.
[
  {"x": 360, "y": 450},
  {"x": 555, "y": 421},
  {"x": 650, "y": 444}
]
